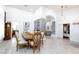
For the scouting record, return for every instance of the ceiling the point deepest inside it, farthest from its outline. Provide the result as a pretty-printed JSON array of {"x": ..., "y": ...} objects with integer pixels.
[
  {"x": 33, "y": 8},
  {"x": 30, "y": 8}
]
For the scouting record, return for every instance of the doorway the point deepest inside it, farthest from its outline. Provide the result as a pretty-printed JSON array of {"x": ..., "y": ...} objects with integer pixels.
[{"x": 66, "y": 31}]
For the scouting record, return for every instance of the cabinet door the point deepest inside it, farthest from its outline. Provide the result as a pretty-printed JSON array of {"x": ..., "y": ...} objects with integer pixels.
[{"x": 7, "y": 31}]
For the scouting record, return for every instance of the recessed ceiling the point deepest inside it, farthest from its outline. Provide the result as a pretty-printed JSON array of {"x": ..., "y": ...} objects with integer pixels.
[{"x": 30, "y": 8}]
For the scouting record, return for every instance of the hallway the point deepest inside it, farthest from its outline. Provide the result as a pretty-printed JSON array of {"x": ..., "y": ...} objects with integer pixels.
[{"x": 50, "y": 46}]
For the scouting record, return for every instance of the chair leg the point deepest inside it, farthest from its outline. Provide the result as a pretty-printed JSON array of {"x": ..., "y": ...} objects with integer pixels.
[
  {"x": 16, "y": 48},
  {"x": 42, "y": 41},
  {"x": 39, "y": 48},
  {"x": 33, "y": 50}
]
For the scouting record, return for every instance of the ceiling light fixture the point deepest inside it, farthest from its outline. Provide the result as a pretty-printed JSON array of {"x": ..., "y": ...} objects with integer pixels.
[{"x": 62, "y": 10}]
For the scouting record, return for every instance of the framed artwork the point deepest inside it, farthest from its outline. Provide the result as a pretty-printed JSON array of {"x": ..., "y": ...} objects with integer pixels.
[{"x": 26, "y": 26}]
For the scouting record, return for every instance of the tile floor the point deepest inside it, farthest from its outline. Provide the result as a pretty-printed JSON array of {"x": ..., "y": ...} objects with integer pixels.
[{"x": 51, "y": 46}]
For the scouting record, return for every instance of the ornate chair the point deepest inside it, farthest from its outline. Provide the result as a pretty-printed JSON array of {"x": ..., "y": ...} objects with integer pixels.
[
  {"x": 20, "y": 43},
  {"x": 35, "y": 44}
]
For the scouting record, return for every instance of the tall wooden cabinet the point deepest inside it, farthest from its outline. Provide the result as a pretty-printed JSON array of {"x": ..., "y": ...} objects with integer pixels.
[
  {"x": 7, "y": 28},
  {"x": 7, "y": 31}
]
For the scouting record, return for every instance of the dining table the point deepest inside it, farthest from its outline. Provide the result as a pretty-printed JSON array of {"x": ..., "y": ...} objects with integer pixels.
[{"x": 28, "y": 36}]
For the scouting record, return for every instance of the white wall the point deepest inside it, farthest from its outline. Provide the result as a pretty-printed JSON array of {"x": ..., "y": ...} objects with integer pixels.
[
  {"x": 18, "y": 17},
  {"x": 1, "y": 23},
  {"x": 15, "y": 15},
  {"x": 55, "y": 14},
  {"x": 74, "y": 33},
  {"x": 72, "y": 16}
]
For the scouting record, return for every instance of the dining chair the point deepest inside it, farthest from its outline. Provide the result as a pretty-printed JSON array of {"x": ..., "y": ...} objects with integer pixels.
[
  {"x": 36, "y": 43},
  {"x": 20, "y": 43}
]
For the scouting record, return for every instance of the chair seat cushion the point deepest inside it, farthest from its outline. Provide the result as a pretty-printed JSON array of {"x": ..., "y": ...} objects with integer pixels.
[
  {"x": 31, "y": 43},
  {"x": 23, "y": 42}
]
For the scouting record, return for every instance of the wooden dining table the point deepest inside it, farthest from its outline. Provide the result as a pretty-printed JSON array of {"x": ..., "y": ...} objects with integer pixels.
[{"x": 27, "y": 36}]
